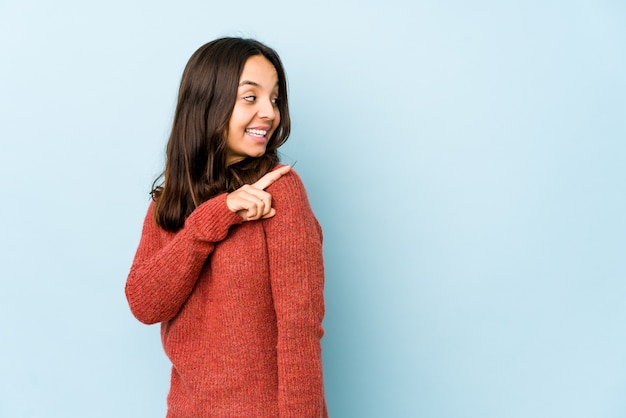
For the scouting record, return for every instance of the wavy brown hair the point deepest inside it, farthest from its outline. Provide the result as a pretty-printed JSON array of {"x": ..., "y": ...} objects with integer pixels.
[{"x": 195, "y": 168}]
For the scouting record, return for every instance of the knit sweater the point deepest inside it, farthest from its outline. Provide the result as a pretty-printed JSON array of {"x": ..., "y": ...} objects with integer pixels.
[{"x": 240, "y": 305}]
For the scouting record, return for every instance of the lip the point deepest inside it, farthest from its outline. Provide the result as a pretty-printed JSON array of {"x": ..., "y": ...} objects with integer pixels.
[
  {"x": 260, "y": 128},
  {"x": 261, "y": 140},
  {"x": 258, "y": 139}
]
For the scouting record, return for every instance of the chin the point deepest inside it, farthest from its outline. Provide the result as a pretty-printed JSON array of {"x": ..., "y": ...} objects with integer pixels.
[{"x": 257, "y": 154}]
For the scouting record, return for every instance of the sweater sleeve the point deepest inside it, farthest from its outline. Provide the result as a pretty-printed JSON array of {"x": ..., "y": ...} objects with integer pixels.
[
  {"x": 167, "y": 265},
  {"x": 294, "y": 241}
]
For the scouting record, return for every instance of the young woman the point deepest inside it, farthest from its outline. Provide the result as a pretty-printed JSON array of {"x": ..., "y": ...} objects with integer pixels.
[{"x": 230, "y": 257}]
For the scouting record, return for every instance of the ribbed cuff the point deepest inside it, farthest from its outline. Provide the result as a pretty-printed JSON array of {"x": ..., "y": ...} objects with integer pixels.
[{"x": 212, "y": 220}]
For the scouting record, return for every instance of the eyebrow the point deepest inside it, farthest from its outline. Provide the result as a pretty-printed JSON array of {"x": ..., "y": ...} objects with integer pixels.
[
  {"x": 252, "y": 83},
  {"x": 248, "y": 82}
]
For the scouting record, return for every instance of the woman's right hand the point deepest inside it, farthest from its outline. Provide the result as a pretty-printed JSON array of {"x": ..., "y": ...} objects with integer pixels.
[{"x": 251, "y": 201}]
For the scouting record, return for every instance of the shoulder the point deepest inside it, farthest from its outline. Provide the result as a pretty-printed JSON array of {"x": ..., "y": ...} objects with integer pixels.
[
  {"x": 149, "y": 220},
  {"x": 289, "y": 192},
  {"x": 293, "y": 210},
  {"x": 289, "y": 188},
  {"x": 290, "y": 181}
]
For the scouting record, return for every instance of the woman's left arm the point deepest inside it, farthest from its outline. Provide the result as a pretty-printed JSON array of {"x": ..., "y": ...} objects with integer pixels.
[{"x": 294, "y": 242}]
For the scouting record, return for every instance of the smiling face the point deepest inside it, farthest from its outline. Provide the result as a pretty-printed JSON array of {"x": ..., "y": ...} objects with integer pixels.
[{"x": 255, "y": 115}]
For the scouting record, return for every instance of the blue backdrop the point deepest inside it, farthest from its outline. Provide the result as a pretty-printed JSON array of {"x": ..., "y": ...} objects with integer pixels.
[{"x": 466, "y": 160}]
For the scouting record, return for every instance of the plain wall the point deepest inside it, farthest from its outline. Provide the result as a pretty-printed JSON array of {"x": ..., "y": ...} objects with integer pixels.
[{"x": 466, "y": 160}]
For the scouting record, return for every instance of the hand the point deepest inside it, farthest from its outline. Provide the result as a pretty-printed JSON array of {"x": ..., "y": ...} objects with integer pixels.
[{"x": 252, "y": 202}]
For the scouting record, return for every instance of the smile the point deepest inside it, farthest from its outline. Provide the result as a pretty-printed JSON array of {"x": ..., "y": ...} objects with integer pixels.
[{"x": 260, "y": 133}]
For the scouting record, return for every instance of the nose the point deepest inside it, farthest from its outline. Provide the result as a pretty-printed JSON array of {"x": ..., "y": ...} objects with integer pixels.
[{"x": 267, "y": 109}]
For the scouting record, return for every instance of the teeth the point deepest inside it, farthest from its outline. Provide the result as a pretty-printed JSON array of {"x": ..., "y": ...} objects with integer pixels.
[{"x": 256, "y": 132}]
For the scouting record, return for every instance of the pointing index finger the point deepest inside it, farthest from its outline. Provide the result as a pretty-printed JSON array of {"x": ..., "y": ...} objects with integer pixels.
[{"x": 271, "y": 177}]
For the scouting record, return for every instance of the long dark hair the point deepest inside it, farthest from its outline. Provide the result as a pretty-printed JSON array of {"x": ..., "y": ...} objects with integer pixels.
[{"x": 195, "y": 168}]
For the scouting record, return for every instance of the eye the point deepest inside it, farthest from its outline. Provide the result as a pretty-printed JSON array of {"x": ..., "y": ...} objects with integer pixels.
[
  {"x": 250, "y": 98},
  {"x": 275, "y": 101}
]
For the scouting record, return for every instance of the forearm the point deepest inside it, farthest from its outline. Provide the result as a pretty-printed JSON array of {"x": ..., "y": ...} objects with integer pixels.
[
  {"x": 157, "y": 286},
  {"x": 167, "y": 265}
]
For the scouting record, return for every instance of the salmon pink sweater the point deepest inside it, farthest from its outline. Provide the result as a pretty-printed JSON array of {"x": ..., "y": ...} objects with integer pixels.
[{"x": 240, "y": 305}]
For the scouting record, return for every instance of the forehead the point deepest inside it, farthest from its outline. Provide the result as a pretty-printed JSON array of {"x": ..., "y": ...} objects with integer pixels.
[{"x": 259, "y": 71}]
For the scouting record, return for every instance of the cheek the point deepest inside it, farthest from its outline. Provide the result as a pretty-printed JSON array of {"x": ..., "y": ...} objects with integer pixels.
[
  {"x": 277, "y": 119},
  {"x": 235, "y": 118}
]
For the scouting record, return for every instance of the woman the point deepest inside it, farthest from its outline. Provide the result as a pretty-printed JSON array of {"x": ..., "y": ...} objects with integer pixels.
[{"x": 233, "y": 272}]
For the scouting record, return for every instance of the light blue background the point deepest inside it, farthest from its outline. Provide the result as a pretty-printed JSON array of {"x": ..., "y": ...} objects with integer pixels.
[{"x": 467, "y": 161}]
